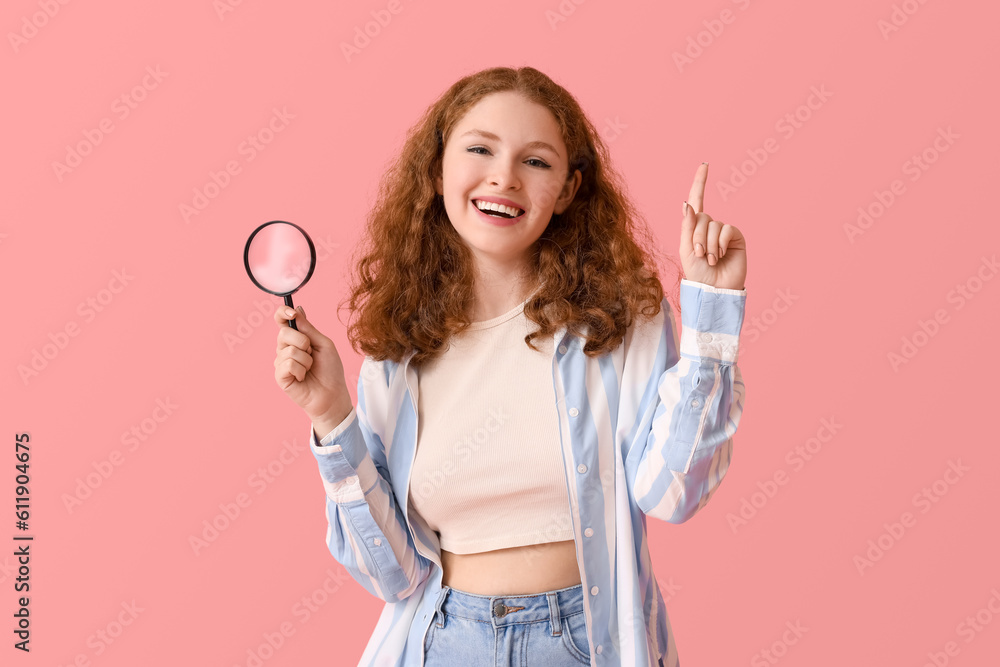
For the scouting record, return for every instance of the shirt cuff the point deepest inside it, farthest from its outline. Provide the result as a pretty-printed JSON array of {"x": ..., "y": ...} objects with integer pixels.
[
  {"x": 712, "y": 288},
  {"x": 341, "y": 427},
  {"x": 711, "y": 319},
  {"x": 338, "y": 448}
]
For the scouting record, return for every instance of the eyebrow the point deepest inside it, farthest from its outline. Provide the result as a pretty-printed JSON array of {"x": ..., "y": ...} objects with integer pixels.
[{"x": 532, "y": 144}]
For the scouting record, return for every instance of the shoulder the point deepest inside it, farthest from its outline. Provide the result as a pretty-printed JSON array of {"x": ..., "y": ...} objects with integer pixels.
[
  {"x": 378, "y": 372},
  {"x": 648, "y": 332}
]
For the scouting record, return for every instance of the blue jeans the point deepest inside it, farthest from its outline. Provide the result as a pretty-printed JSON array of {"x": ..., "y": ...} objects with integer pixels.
[{"x": 545, "y": 629}]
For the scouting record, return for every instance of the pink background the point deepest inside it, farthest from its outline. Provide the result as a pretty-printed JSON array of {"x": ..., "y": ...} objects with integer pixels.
[{"x": 824, "y": 310}]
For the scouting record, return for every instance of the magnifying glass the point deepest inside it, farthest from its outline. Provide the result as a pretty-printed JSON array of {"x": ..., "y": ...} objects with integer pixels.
[{"x": 280, "y": 258}]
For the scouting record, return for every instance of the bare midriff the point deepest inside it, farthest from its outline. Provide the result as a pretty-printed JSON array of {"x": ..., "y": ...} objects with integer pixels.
[{"x": 533, "y": 568}]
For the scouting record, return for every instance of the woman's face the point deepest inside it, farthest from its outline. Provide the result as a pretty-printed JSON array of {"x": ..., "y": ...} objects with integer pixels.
[{"x": 509, "y": 148}]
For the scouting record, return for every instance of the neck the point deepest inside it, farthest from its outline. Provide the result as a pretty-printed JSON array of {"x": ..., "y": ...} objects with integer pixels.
[{"x": 498, "y": 288}]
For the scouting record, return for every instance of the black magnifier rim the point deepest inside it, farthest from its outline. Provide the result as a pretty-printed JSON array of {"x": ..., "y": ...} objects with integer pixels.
[{"x": 312, "y": 257}]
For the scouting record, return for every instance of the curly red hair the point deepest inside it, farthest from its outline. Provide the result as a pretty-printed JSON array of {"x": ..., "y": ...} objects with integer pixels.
[{"x": 412, "y": 287}]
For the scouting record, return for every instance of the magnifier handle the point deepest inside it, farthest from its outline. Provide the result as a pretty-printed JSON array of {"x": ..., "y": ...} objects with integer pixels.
[{"x": 288, "y": 302}]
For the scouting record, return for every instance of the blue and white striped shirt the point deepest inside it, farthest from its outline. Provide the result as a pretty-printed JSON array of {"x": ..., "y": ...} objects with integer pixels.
[{"x": 646, "y": 429}]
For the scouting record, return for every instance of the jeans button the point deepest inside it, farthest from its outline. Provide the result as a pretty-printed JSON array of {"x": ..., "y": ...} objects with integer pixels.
[{"x": 499, "y": 610}]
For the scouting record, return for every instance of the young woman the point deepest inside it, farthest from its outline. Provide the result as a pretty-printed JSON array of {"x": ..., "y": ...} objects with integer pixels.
[{"x": 524, "y": 401}]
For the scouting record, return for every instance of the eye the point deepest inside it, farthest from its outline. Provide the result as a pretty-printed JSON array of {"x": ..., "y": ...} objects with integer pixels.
[{"x": 540, "y": 163}]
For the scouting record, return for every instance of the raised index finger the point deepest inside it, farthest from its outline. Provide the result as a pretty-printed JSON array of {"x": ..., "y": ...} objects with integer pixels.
[{"x": 696, "y": 198}]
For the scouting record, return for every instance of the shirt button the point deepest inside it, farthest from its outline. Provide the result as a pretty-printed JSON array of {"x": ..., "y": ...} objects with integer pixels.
[
  {"x": 593, "y": 591},
  {"x": 573, "y": 412},
  {"x": 581, "y": 468},
  {"x": 599, "y": 648},
  {"x": 706, "y": 337},
  {"x": 695, "y": 403},
  {"x": 562, "y": 349},
  {"x": 589, "y": 532},
  {"x": 377, "y": 542}
]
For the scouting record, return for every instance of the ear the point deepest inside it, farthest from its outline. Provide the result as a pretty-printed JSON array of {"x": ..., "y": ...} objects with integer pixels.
[
  {"x": 439, "y": 185},
  {"x": 568, "y": 192}
]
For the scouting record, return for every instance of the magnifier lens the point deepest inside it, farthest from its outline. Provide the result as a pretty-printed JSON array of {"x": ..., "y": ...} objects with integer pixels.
[{"x": 279, "y": 257}]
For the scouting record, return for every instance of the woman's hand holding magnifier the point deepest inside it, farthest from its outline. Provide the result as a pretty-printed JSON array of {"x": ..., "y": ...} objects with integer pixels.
[
  {"x": 279, "y": 258},
  {"x": 309, "y": 370}
]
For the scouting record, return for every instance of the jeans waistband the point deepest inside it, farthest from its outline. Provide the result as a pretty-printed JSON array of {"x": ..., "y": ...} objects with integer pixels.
[{"x": 510, "y": 609}]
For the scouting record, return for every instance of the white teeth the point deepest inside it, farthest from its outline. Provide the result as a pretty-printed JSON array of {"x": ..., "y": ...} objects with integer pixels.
[{"x": 490, "y": 206}]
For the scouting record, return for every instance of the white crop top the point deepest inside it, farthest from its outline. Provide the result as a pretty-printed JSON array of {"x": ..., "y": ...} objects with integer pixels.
[{"x": 488, "y": 470}]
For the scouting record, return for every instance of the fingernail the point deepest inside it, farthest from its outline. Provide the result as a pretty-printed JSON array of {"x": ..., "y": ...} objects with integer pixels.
[
  {"x": 684, "y": 208},
  {"x": 698, "y": 249},
  {"x": 704, "y": 163},
  {"x": 289, "y": 312},
  {"x": 711, "y": 258},
  {"x": 301, "y": 309}
]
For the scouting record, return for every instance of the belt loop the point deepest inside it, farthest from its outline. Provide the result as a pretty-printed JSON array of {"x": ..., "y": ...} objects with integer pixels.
[
  {"x": 438, "y": 613},
  {"x": 554, "y": 619}
]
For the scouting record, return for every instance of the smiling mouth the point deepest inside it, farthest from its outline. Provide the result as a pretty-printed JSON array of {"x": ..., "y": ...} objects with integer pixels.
[{"x": 502, "y": 213}]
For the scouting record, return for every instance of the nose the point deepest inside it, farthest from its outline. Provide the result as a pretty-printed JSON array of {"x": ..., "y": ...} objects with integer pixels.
[{"x": 504, "y": 175}]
